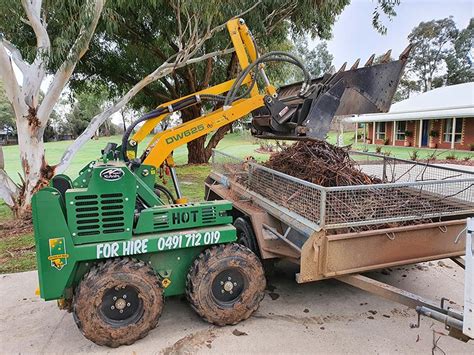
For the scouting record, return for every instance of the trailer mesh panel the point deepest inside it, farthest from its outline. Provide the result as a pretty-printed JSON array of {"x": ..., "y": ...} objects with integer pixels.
[{"x": 411, "y": 191}]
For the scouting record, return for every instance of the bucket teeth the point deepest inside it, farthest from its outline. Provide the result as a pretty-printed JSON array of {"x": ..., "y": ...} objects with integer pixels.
[
  {"x": 356, "y": 64},
  {"x": 370, "y": 61},
  {"x": 406, "y": 52},
  {"x": 342, "y": 68},
  {"x": 386, "y": 57}
]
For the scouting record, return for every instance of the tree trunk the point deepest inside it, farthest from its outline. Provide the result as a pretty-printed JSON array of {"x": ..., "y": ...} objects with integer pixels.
[
  {"x": 36, "y": 172},
  {"x": 196, "y": 150}
]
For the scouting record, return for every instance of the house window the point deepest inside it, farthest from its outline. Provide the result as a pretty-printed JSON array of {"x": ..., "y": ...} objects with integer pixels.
[
  {"x": 401, "y": 127},
  {"x": 448, "y": 130},
  {"x": 380, "y": 130}
]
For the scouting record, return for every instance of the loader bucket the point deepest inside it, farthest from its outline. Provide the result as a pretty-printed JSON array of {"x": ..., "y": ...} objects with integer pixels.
[{"x": 368, "y": 89}]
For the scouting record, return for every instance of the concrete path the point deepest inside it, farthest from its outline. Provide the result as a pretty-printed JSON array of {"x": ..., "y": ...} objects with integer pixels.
[{"x": 321, "y": 317}]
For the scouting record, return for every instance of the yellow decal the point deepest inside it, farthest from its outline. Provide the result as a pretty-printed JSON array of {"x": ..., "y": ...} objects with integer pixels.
[{"x": 57, "y": 253}]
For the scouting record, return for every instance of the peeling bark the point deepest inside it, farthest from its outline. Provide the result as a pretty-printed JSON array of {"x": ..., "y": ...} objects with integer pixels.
[{"x": 9, "y": 191}]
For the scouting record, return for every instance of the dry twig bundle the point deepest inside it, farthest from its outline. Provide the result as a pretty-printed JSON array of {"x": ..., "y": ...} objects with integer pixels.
[{"x": 320, "y": 163}]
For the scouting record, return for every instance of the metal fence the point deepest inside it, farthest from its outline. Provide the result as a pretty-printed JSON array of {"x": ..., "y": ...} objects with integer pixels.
[{"x": 410, "y": 191}]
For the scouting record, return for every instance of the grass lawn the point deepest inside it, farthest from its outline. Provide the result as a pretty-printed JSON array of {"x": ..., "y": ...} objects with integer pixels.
[
  {"x": 17, "y": 253},
  {"x": 422, "y": 153}
]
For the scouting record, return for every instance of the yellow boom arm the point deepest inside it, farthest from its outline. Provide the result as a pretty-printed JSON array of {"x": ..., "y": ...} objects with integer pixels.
[
  {"x": 160, "y": 148},
  {"x": 165, "y": 142}
]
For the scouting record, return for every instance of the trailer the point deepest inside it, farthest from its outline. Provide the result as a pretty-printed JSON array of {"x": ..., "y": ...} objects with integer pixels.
[{"x": 418, "y": 213}]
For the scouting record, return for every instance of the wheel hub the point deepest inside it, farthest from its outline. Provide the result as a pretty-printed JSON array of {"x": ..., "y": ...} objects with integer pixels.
[
  {"x": 228, "y": 286},
  {"x": 121, "y": 305}
]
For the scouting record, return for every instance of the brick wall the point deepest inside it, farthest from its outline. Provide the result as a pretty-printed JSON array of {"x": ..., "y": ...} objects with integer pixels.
[
  {"x": 467, "y": 136},
  {"x": 435, "y": 125}
]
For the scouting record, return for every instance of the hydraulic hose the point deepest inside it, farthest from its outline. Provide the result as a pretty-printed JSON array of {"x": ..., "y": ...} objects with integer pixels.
[
  {"x": 269, "y": 57},
  {"x": 166, "y": 192},
  {"x": 240, "y": 79},
  {"x": 178, "y": 106}
]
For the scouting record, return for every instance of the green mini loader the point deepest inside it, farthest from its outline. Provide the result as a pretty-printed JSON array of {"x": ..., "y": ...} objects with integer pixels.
[{"x": 111, "y": 261}]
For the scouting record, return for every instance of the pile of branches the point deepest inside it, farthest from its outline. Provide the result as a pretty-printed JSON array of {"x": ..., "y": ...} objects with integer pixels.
[
  {"x": 326, "y": 165},
  {"x": 320, "y": 163}
]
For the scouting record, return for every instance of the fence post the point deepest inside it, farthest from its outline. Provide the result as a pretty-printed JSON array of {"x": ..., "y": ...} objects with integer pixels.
[{"x": 322, "y": 209}]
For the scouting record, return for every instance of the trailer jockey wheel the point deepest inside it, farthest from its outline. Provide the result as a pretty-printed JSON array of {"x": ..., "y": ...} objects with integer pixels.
[
  {"x": 245, "y": 235},
  {"x": 118, "y": 302},
  {"x": 225, "y": 284}
]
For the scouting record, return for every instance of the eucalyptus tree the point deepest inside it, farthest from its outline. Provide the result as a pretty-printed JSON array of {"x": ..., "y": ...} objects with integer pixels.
[
  {"x": 433, "y": 42},
  {"x": 143, "y": 38}
]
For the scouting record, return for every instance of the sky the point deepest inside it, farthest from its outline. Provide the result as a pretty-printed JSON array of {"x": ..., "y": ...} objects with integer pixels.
[{"x": 354, "y": 36}]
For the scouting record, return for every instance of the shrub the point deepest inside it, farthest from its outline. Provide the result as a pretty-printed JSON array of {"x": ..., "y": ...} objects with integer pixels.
[
  {"x": 378, "y": 149},
  {"x": 467, "y": 158},
  {"x": 451, "y": 156},
  {"x": 434, "y": 134},
  {"x": 414, "y": 155}
]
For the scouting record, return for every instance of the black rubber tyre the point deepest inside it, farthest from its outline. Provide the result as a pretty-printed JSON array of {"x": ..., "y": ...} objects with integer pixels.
[
  {"x": 225, "y": 284},
  {"x": 245, "y": 235},
  {"x": 118, "y": 302}
]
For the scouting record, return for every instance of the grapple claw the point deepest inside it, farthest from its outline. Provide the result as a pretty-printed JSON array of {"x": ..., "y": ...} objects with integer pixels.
[{"x": 367, "y": 89}]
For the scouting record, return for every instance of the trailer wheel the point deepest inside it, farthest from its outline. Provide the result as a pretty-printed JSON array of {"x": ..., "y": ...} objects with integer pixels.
[
  {"x": 118, "y": 302},
  {"x": 225, "y": 284},
  {"x": 245, "y": 235}
]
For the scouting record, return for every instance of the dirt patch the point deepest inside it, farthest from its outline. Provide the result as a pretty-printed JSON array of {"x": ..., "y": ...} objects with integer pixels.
[
  {"x": 16, "y": 227},
  {"x": 192, "y": 342}
]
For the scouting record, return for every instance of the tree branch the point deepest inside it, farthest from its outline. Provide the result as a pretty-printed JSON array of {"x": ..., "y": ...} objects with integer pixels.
[
  {"x": 198, "y": 59},
  {"x": 16, "y": 56},
  {"x": 163, "y": 70},
  {"x": 33, "y": 10},
  {"x": 33, "y": 78},
  {"x": 9, "y": 191},
  {"x": 207, "y": 74},
  {"x": 97, "y": 121},
  {"x": 179, "y": 60},
  {"x": 63, "y": 74},
  {"x": 8, "y": 77}
]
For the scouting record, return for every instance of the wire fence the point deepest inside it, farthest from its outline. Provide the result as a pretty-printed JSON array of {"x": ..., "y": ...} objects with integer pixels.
[{"x": 411, "y": 191}]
